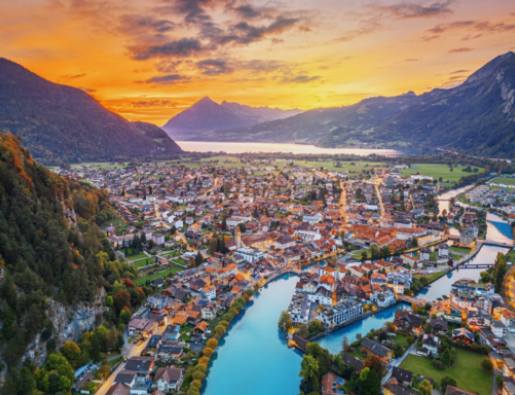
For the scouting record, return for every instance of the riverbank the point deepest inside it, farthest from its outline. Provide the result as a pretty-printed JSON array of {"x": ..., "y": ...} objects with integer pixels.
[{"x": 253, "y": 349}]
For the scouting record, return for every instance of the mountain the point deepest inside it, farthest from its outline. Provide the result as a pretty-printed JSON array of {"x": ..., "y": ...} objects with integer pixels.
[
  {"x": 59, "y": 276},
  {"x": 203, "y": 119},
  {"x": 58, "y": 123},
  {"x": 475, "y": 117}
]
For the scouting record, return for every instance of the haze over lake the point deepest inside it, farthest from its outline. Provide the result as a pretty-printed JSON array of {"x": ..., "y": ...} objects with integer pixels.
[{"x": 248, "y": 147}]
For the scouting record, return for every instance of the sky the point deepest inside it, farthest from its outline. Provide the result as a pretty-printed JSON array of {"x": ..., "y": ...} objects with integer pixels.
[{"x": 150, "y": 59}]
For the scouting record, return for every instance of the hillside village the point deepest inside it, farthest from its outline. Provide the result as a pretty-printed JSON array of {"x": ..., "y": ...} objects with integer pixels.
[{"x": 206, "y": 237}]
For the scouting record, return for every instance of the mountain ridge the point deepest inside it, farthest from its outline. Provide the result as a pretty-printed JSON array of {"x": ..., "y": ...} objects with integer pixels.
[
  {"x": 475, "y": 117},
  {"x": 205, "y": 117},
  {"x": 60, "y": 124}
]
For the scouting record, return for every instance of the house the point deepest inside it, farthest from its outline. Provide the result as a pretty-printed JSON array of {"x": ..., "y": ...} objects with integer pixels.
[
  {"x": 168, "y": 378},
  {"x": 169, "y": 350},
  {"x": 118, "y": 389},
  {"x": 383, "y": 299},
  {"x": 394, "y": 388},
  {"x": 404, "y": 377},
  {"x": 508, "y": 369},
  {"x": 332, "y": 384},
  {"x": 498, "y": 328},
  {"x": 439, "y": 325},
  {"x": 355, "y": 363},
  {"x": 250, "y": 255},
  {"x": 452, "y": 390},
  {"x": 508, "y": 387},
  {"x": 443, "y": 251},
  {"x": 376, "y": 349},
  {"x": 463, "y": 335},
  {"x": 140, "y": 326},
  {"x": 140, "y": 365},
  {"x": 408, "y": 321},
  {"x": 430, "y": 343}
]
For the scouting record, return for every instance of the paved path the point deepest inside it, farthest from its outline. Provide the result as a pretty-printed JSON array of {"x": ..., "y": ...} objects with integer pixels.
[{"x": 397, "y": 362}]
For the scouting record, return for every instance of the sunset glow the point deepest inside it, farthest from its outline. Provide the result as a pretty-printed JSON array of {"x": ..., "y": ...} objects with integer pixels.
[{"x": 148, "y": 60}]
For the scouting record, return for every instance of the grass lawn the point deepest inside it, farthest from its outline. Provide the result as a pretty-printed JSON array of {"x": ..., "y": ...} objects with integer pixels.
[
  {"x": 504, "y": 180},
  {"x": 170, "y": 253},
  {"x": 165, "y": 272},
  {"x": 437, "y": 170},
  {"x": 401, "y": 340},
  {"x": 430, "y": 277},
  {"x": 459, "y": 250},
  {"x": 467, "y": 371}
]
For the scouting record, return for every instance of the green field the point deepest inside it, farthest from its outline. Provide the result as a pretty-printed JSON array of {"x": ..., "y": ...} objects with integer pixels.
[
  {"x": 351, "y": 167},
  {"x": 504, "y": 180},
  {"x": 164, "y": 272},
  {"x": 438, "y": 170},
  {"x": 467, "y": 371},
  {"x": 100, "y": 165}
]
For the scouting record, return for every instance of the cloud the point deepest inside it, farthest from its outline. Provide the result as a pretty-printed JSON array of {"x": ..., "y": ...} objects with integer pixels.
[
  {"x": 460, "y": 50},
  {"x": 182, "y": 47},
  {"x": 166, "y": 79},
  {"x": 409, "y": 10},
  {"x": 300, "y": 78},
  {"x": 73, "y": 76},
  {"x": 246, "y": 33},
  {"x": 460, "y": 71},
  {"x": 411, "y": 59},
  {"x": 474, "y": 28},
  {"x": 365, "y": 27},
  {"x": 214, "y": 66},
  {"x": 134, "y": 24},
  {"x": 248, "y": 11}
]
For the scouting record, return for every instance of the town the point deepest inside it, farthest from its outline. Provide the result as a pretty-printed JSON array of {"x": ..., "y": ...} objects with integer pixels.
[{"x": 206, "y": 235}]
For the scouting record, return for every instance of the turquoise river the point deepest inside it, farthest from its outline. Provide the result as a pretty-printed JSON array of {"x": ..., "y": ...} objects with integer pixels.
[{"x": 254, "y": 359}]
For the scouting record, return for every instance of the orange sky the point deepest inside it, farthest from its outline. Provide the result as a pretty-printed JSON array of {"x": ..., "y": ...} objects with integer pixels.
[{"x": 148, "y": 60}]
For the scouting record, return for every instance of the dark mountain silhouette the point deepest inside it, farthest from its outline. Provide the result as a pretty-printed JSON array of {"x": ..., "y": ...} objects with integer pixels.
[
  {"x": 203, "y": 119},
  {"x": 58, "y": 123},
  {"x": 476, "y": 117}
]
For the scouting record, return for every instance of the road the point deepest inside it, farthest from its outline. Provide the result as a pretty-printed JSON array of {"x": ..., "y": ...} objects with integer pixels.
[
  {"x": 129, "y": 350},
  {"x": 342, "y": 204}
]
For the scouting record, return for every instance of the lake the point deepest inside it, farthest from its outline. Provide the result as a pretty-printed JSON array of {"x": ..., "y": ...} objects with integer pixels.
[{"x": 250, "y": 147}]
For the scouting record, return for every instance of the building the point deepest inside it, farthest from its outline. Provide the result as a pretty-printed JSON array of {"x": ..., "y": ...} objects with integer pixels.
[
  {"x": 376, "y": 349},
  {"x": 345, "y": 311},
  {"x": 249, "y": 254},
  {"x": 168, "y": 379}
]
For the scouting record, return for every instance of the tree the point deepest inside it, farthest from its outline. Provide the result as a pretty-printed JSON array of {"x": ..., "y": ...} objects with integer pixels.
[
  {"x": 121, "y": 298},
  {"x": 212, "y": 343},
  {"x": 445, "y": 382},
  {"x": 425, "y": 387},
  {"x": 310, "y": 374},
  {"x": 56, "y": 375},
  {"x": 487, "y": 365},
  {"x": 500, "y": 269},
  {"x": 285, "y": 321},
  {"x": 72, "y": 353}
]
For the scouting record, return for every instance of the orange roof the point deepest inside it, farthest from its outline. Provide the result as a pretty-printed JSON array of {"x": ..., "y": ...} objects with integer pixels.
[
  {"x": 327, "y": 279},
  {"x": 202, "y": 326},
  {"x": 180, "y": 318}
]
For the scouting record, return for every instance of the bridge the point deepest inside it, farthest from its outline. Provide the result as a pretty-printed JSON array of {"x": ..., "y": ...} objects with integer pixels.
[
  {"x": 412, "y": 300},
  {"x": 476, "y": 266},
  {"x": 495, "y": 243}
]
